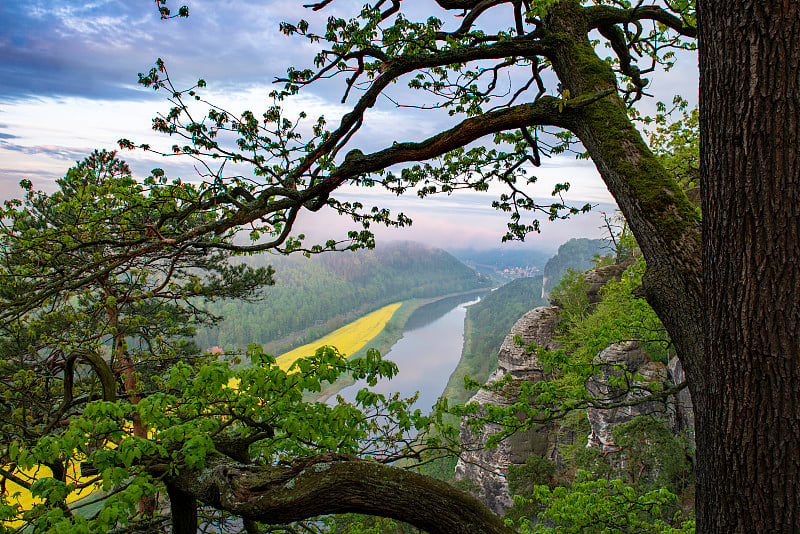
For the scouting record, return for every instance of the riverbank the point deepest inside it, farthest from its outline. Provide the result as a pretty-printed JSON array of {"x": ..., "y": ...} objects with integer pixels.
[
  {"x": 349, "y": 339},
  {"x": 485, "y": 327},
  {"x": 393, "y": 332},
  {"x": 476, "y": 366}
]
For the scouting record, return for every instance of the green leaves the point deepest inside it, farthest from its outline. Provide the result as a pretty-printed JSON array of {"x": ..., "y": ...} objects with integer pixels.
[
  {"x": 95, "y": 266},
  {"x": 165, "y": 12},
  {"x": 604, "y": 507},
  {"x": 216, "y": 404},
  {"x": 620, "y": 316}
]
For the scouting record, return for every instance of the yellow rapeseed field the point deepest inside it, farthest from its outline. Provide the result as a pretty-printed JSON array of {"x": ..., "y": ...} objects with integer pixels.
[
  {"x": 19, "y": 495},
  {"x": 349, "y": 339}
]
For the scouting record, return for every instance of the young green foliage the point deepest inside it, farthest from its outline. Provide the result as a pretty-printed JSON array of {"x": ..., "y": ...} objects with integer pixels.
[
  {"x": 83, "y": 312},
  {"x": 604, "y": 507},
  {"x": 200, "y": 412}
]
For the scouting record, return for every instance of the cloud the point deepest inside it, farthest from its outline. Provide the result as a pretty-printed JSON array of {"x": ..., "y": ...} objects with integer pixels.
[
  {"x": 68, "y": 85},
  {"x": 59, "y": 152},
  {"x": 462, "y": 220},
  {"x": 95, "y": 49}
]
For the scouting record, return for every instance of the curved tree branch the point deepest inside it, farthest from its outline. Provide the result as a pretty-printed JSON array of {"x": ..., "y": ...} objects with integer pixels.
[
  {"x": 547, "y": 111},
  {"x": 616, "y": 38},
  {"x": 473, "y": 15},
  {"x": 101, "y": 369},
  {"x": 605, "y": 15},
  {"x": 518, "y": 46},
  {"x": 330, "y": 484}
]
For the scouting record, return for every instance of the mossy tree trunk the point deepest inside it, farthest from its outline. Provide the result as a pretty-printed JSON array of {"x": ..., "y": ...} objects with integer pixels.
[{"x": 666, "y": 225}]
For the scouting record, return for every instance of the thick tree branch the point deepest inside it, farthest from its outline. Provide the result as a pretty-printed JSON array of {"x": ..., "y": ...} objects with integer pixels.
[
  {"x": 458, "y": 4},
  {"x": 520, "y": 46},
  {"x": 547, "y": 111},
  {"x": 330, "y": 484},
  {"x": 606, "y": 15}
]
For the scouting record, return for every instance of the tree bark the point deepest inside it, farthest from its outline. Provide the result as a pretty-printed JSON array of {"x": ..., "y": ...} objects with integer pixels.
[
  {"x": 748, "y": 431},
  {"x": 664, "y": 222},
  {"x": 183, "y": 510},
  {"x": 331, "y": 484}
]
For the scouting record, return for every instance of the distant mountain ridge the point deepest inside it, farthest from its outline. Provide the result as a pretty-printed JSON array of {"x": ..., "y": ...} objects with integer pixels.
[
  {"x": 575, "y": 254},
  {"x": 313, "y": 296},
  {"x": 505, "y": 264}
]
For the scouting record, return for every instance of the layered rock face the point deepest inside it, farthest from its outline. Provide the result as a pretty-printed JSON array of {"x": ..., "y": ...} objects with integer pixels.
[
  {"x": 486, "y": 470},
  {"x": 615, "y": 361},
  {"x": 681, "y": 411}
]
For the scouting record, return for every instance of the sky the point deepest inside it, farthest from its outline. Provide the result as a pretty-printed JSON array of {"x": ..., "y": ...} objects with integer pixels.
[{"x": 68, "y": 73}]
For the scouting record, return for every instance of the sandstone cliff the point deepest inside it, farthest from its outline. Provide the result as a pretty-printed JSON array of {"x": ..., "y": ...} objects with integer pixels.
[
  {"x": 614, "y": 361},
  {"x": 486, "y": 470}
]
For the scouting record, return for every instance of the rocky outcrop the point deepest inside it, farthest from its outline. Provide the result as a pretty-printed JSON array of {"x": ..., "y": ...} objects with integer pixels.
[
  {"x": 597, "y": 278},
  {"x": 681, "y": 410},
  {"x": 485, "y": 470},
  {"x": 618, "y": 360}
]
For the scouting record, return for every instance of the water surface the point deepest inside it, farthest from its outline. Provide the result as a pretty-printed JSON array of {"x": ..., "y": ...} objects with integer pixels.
[{"x": 427, "y": 353}]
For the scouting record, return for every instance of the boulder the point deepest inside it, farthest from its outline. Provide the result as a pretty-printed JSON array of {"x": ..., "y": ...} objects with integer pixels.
[{"x": 486, "y": 470}]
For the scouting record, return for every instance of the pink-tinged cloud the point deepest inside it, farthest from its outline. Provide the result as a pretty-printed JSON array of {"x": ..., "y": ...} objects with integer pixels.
[{"x": 458, "y": 221}]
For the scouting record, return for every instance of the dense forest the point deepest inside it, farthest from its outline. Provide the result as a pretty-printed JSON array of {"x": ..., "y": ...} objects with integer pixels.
[
  {"x": 576, "y": 254},
  {"x": 313, "y": 296}
]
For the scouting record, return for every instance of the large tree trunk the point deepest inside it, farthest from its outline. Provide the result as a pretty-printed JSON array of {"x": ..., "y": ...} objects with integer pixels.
[
  {"x": 665, "y": 223},
  {"x": 748, "y": 430}
]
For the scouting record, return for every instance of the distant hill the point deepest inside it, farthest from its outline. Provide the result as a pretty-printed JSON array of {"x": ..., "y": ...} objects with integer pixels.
[
  {"x": 575, "y": 254},
  {"x": 504, "y": 263},
  {"x": 313, "y": 296}
]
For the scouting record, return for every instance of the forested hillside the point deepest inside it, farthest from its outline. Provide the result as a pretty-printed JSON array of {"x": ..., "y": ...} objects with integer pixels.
[
  {"x": 313, "y": 296},
  {"x": 575, "y": 254},
  {"x": 487, "y": 324}
]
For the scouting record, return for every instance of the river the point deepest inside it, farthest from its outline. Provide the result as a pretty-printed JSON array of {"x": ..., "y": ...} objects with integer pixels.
[{"x": 427, "y": 353}]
